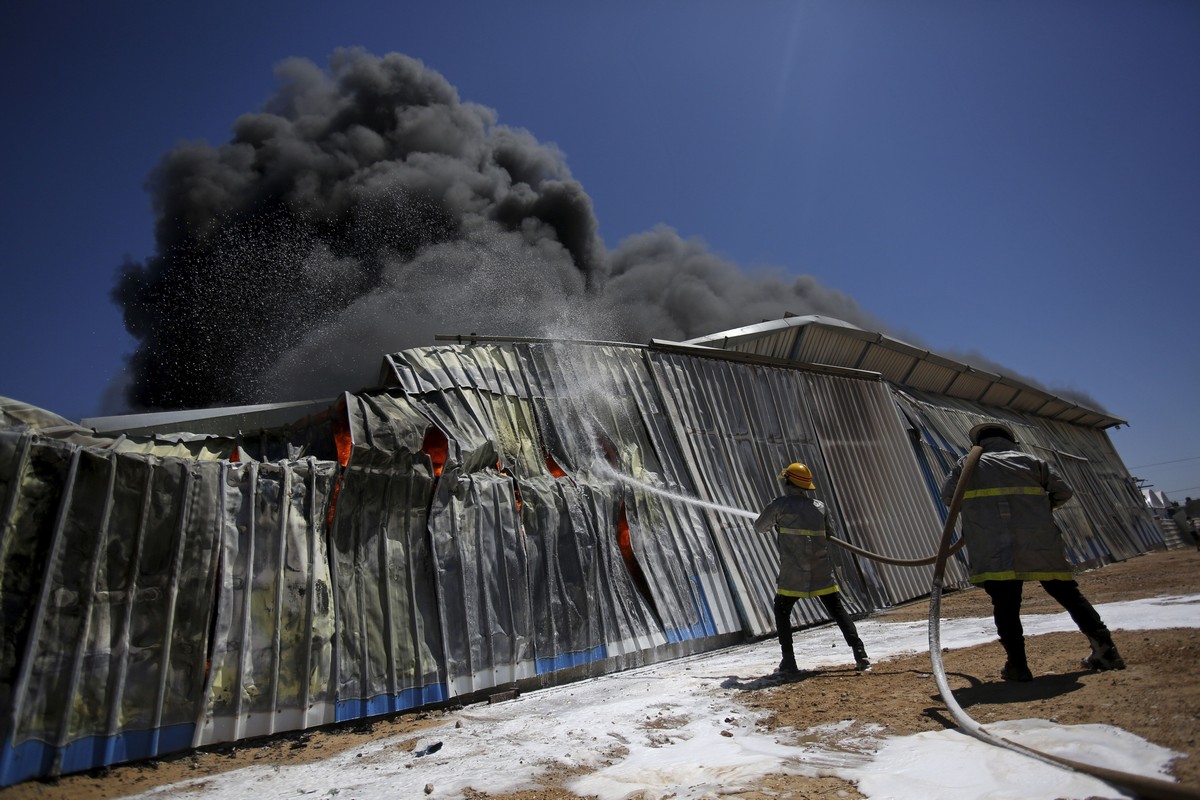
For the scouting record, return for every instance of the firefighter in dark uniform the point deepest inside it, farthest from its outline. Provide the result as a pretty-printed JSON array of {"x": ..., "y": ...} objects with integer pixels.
[{"x": 1008, "y": 525}]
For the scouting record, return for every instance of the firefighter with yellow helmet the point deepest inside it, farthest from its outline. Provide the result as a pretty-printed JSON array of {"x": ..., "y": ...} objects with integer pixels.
[{"x": 802, "y": 525}]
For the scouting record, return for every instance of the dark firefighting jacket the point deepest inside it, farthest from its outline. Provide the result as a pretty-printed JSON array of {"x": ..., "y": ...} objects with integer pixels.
[
  {"x": 802, "y": 524},
  {"x": 1007, "y": 518}
]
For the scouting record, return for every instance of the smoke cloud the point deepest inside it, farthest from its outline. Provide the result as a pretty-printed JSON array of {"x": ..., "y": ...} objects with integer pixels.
[{"x": 366, "y": 208}]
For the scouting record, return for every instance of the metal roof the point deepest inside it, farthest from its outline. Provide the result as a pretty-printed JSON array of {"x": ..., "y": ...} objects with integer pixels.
[
  {"x": 224, "y": 420},
  {"x": 816, "y": 339}
]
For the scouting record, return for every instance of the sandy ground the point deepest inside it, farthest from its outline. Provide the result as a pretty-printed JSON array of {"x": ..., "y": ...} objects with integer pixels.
[{"x": 1156, "y": 697}]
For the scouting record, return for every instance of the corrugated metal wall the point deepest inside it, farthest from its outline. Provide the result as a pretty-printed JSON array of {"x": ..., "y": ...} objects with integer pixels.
[
  {"x": 878, "y": 483},
  {"x": 780, "y": 344},
  {"x": 269, "y": 651},
  {"x": 931, "y": 377},
  {"x": 498, "y": 515},
  {"x": 740, "y": 424},
  {"x": 590, "y": 409},
  {"x": 154, "y": 604},
  {"x": 388, "y": 643},
  {"x": 1108, "y": 495}
]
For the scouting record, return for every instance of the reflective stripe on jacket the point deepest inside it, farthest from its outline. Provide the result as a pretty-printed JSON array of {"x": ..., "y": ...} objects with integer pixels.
[
  {"x": 802, "y": 523},
  {"x": 1006, "y": 516}
]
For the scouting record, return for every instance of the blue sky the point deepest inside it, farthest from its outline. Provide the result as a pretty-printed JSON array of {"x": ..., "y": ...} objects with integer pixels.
[{"x": 1016, "y": 179}]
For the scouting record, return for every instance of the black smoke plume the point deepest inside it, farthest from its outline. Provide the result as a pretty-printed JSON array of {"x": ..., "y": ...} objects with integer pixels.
[{"x": 366, "y": 208}]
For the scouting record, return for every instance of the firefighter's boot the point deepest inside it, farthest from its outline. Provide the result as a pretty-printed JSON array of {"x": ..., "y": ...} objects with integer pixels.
[
  {"x": 1016, "y": 668},
  {"x": 1104, "y": 655},
  {"x": 861, "y": 662}
]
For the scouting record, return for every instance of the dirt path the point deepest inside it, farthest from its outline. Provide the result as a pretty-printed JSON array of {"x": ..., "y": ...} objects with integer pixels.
[{"x": 1157, "y": 697}]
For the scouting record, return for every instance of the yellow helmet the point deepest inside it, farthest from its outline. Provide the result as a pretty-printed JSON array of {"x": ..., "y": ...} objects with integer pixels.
[{"x": 798, "y": 475}]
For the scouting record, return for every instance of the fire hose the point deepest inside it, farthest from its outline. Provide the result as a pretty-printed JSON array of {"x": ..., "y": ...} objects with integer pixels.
[
  {"x": 901, "y": 562},
  {"x": 1142, "y": 786},
  {"x": 1151, "y": 788}
]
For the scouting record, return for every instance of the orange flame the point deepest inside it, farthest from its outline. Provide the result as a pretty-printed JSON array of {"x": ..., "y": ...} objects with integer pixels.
[
  {"x": 344, "y": 442},
  {"x": 554, "y": 468},
  {"x": 437, "y": 447},
  {"x": 342, "y": 437},
  {"x": 625, "y": 543}
]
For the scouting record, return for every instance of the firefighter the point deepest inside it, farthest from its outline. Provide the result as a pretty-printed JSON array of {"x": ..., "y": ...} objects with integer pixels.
[
  {"x": 805, "y": 568},
  {"x": 1011, "y": 538}
]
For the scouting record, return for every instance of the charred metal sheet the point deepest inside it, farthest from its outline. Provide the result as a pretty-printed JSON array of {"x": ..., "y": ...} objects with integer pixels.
[
  {"x": 528, "y": 516},
  {"x": 601, "y": 416},
  {"x": 492, "y": 368},
  {"x": 675, "y": 537},
  {"x": 388, "y": 649}
]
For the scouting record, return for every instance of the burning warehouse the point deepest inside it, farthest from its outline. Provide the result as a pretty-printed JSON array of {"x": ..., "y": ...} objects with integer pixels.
[{"x": 497, "y": 514}]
